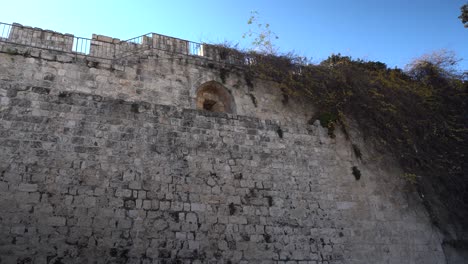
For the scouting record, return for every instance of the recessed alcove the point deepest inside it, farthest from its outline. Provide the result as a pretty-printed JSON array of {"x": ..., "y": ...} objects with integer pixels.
[{"x": 213, "y": 96}]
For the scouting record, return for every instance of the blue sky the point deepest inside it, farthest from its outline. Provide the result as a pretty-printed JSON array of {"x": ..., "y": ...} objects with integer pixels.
[{"x": 393, "y": 32}]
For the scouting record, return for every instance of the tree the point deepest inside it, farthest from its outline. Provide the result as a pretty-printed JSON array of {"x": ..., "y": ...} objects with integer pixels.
[
  {"x": 464, "y": 15},
  {"x": 438, "y": 64},
  {"x": 261, "y": 34}
]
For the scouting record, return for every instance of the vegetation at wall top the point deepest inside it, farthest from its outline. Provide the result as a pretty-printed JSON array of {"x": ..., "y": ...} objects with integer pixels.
[{"x": 419, "y": 115}]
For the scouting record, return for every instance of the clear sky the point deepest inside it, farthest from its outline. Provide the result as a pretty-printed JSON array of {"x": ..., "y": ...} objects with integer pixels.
[{"x": 390, "y": 31}]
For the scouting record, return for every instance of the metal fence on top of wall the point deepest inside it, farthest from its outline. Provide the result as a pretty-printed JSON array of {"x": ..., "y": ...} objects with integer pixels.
[{"x": 110, "y": 48}]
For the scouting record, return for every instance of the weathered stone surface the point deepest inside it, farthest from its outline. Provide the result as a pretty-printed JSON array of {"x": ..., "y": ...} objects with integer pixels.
[{"x": 113, "y": 164}]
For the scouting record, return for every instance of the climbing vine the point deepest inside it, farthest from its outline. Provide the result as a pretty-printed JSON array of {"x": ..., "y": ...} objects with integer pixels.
[{"x": 418, "y": 115}]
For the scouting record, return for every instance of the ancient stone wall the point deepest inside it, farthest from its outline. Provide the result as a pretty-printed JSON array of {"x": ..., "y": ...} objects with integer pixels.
[
  {"x": 154, "y": 76},
  {"x": 40, "y": 38},
  {"x": 112, "y": 162}
]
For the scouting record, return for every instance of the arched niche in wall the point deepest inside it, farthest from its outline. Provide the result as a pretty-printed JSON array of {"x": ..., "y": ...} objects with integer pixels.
[{"x": 213, "y": 96}]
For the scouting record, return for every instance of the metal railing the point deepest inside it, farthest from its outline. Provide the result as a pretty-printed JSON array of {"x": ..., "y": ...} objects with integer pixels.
[
  {"x": 133, "y": 46},
  {"x": 113, "y": 49},
  {"x": 195, "y": 49},
  {"x": 81, "y": 45},
  {"x": 4, "y": 31},
  {"x": 50, "y": 40}
]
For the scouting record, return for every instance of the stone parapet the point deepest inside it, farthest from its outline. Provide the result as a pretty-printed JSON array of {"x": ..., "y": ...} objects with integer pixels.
[{"x": 37, "y": 37}]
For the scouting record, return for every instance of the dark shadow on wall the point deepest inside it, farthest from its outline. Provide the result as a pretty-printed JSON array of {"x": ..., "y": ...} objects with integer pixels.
[{"x": 213, "y": 96}]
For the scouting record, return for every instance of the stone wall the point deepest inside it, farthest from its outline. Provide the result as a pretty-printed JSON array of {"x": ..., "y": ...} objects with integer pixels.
[
  {"x": 112, "y": 163},
  {"x": 154, "y": 76},
  {"x": 40, "y": 38},
  {"x": 100, "y": 46}
]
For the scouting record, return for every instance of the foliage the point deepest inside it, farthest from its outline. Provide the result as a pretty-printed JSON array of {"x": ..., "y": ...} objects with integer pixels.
[
  {"x": 439, "y": 64},
  {"x": 464, "y": 15},
  {"x": 419, "y": 115},
  {"x": 410, "y": 178},
  {"x": 227, "y": 52},
  {"x": 261, "y": 35}
]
